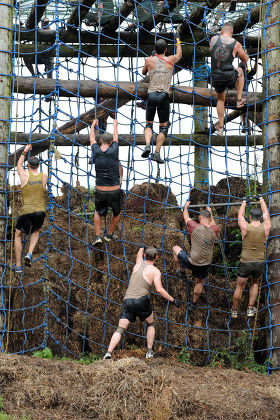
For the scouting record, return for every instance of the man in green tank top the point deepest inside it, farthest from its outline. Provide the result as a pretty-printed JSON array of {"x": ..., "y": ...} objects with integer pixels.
[
  {"x": 32, "y": 215},
  {"x": 137, "y": 299},
  {"x": 252, "y": 262}
]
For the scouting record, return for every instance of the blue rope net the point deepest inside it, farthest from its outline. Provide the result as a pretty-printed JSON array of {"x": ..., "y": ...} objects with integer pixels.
[{"x": 71, "y": 297}]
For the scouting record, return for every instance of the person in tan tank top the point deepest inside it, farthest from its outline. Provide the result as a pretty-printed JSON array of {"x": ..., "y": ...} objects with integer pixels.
[
  {"x": 33, "y": 185},
  {"x": 160, "y": 69},
  {"x": 252, "y": 262},
  {"x": 137, "y": 299}
]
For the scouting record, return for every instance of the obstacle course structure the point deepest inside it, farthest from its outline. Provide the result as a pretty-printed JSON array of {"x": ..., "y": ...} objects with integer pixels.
[{"x": 95, "y": 51}]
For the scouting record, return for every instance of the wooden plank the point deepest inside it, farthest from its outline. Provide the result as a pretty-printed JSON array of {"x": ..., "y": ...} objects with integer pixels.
[
  {"x": 36, "y": 14},
  {"x": 81, "y": 10}
]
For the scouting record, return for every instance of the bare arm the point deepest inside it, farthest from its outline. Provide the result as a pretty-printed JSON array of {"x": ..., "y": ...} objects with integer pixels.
[
  {"x": 23, "y": 175},
  {"x": 159, "y": 288},
  {"x": 241, "y": 53},
  {"x": 45, "y": 179},
  {"x": 92, "y": 139},
  {"x": 176, "y": 57},
  {"x": 139, "y": 257},
  {"x": 186, "y": 212},
  {"x": 266, "y": 217},
  {"x": 145, "y": 68},
  {"x": 241, "y": 219},
  {"x": 212, "y": 221},
  {"x": 115, "y": 133}
]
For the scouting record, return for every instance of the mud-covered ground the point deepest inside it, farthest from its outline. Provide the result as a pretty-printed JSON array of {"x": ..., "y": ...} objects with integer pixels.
[{"x": 133, "y": 388}]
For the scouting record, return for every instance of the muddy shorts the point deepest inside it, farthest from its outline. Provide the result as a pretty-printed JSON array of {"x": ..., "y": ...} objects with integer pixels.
[
  {"x": 108, "y": 199},
  {"x": 157, "y": 101},
  {"x": 251, "y": 269},
  {"x": 227, "y": 80},
  {"x": 30, "y": 222},
  {"x": 132, "y": 308},
  {"x": 198, "y": 271}
]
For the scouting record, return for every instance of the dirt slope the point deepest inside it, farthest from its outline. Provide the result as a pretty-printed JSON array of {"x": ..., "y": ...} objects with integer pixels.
[{"x": 134, "y": 388}]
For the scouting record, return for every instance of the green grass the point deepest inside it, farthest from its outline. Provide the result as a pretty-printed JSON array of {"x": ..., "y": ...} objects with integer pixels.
[{"x": 85, "y": 359}]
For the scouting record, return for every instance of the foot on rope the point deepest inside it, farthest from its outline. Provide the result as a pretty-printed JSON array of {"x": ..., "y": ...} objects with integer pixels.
[
  {"x": 156, "y": 157},
  {"x": 109, "y": 237},
  {"x": 98, "y": 240},
  {"x": 240, "y": 103},
  {"x": 150, "y": 354},
  {"x": 219, "y": 130},
  {"x": 146, "y": 151},
  {"x": 234, "y": 313},
  {"x": 251, "y": 312},
  {"x": 193, "y": 306},
  {"x": 107, "y": 356},
  {"x": 181, "y": 274},
  {"x": 28, "y": 259},
  {"x": 17, "y": 270}
]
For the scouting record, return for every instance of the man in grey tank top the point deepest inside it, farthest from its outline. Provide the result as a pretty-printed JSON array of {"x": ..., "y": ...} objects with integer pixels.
[
  {"x": 160, "y": 69},
  {"x": 137, "y": 299}
]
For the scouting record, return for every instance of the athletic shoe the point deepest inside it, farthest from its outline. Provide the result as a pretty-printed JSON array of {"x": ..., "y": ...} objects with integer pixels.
[
  {"x": 181, "y": 274},
  {"x": 240, "y": 103},
  {"x": 219, "y": 130},
  {"x": 107, "y": 356},
  {"x": 109, "y": 237},
  {"x": 234, "y": 313},
  {"x": 193, "y": 306},
  {"x": 28, "y": 259},
  {"x": 232, "y": 6},
  {"x": 98, "y": 240},
  {"x": 146, "y": 151},
  {"x": 141, "y": 105},
  {"x": 150, "y": 354},
  {"x": 17, "y": 270},
  {"x": 250, "y": 312},
  {"x": 156, "y": 157}
]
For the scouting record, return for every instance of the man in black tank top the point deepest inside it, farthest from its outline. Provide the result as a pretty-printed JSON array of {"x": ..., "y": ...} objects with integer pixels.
[
  {"x": 137, "y": 300},
  {"x": 223, "y": 51}
]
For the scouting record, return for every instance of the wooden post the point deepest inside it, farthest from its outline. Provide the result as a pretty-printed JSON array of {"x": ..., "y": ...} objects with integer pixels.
[
  {"x": 6, "y": 46},
  {"x": 200, "y": 125},
  {"x": 271, "y": 136}
]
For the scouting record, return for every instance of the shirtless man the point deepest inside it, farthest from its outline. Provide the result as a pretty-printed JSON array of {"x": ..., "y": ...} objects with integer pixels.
[
  {"x": 223, "y": 51},
  {"x": 137, "y": 299},
  {"x": 252, "y": 262},
  {"x": 32, "y": 215},
  {"x": 160, "y": 69}
]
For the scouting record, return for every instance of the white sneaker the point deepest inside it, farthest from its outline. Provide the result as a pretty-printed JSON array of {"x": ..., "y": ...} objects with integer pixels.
[
  {"x": 250, "y": 312},
  {"x": 107, "y": 356},
  {"x": 150, "y": 354},
  {"x": 234, "y": 313}
]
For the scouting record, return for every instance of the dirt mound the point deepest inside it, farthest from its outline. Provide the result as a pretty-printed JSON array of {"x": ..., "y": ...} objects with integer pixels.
[{"x": 136, "y": 389}]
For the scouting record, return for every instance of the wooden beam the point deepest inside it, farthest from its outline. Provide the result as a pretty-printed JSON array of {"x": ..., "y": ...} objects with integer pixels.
[
  {"x": 78, "y": 14},
  {"x": 131, "y": 38},
  {"x": 125, "y": 10},
  {"x": 159, "y": 16},
  {"x": 125, "y": 90},
  {"x": 247, "y": 20},
  {"x": 36, "y": 14}
]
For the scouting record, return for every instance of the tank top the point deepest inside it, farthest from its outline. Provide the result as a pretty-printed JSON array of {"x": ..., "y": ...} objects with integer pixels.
[
  {"x": 221, "y": 56},
  {"x": 160, "y": 77},
  {"x": 138, "y": 286},
  {"x": 253, "y": 244},
  {"x": 33, "y": 194}
]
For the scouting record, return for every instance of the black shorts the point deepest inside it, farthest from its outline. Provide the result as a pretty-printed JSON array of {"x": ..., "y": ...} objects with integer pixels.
[
  {"x": 30, "y": 222},
  {"x": 199, "y": 271},
  {"x": 157, "y": 101},
  {"x": 108, "y": 199},
  {"x": 226, "y": 80},
  {"x": 253, "y": 269},
  {"x": 131, "y": 308}
]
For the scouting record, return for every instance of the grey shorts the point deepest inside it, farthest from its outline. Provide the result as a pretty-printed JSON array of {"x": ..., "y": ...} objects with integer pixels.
[{"x": 251, "y": 269}]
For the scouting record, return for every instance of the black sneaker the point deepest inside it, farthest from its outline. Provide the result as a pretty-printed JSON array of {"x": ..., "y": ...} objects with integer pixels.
[
  {"x": 98, "y": 240},
  {"x": 181, "y": 274},
  {"x": 193, "y": 306},
  {"x": 109, "y": 237},
  {"x": 156, "y": 157},
  {"x": 146, "y": 151}
]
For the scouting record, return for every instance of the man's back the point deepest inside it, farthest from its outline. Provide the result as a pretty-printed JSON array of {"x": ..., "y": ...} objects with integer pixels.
[
  {"x": 141, "y": 280},
  {"x": 253, "y": 244},
  {"x": 222, "y": 53},
  {"x": 202, "y": 242},
  {"x": 106, "y": 165}
]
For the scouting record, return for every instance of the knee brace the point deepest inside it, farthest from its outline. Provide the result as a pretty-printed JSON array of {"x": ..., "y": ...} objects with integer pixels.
[
  {"x": 151, "y": 325},
  {"x": 149, "y": 125},
  {"x": 120, "y": 330},
  {"x": 164, "y": 129}
]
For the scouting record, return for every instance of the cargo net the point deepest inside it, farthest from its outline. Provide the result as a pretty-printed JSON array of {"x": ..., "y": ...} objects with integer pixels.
[{"x": 70, "y": 299}]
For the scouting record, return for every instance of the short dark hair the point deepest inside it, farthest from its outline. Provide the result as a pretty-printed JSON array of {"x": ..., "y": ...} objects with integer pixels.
[
  {"x": 227, "y": 26},
  {"x": 151, "y": 253},
  {"x": 256, "y": 214},
  {"x": 34, "y": 162},
  {"x": 107, "y": 139},
  {"x": 205, "y": 213},
  {"x": 160, "y": 46}
]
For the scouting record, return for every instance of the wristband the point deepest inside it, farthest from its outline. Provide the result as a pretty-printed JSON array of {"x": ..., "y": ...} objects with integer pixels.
[
  {"x": 23, "y": 153},
  {"x": 178, "y": 42}
]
